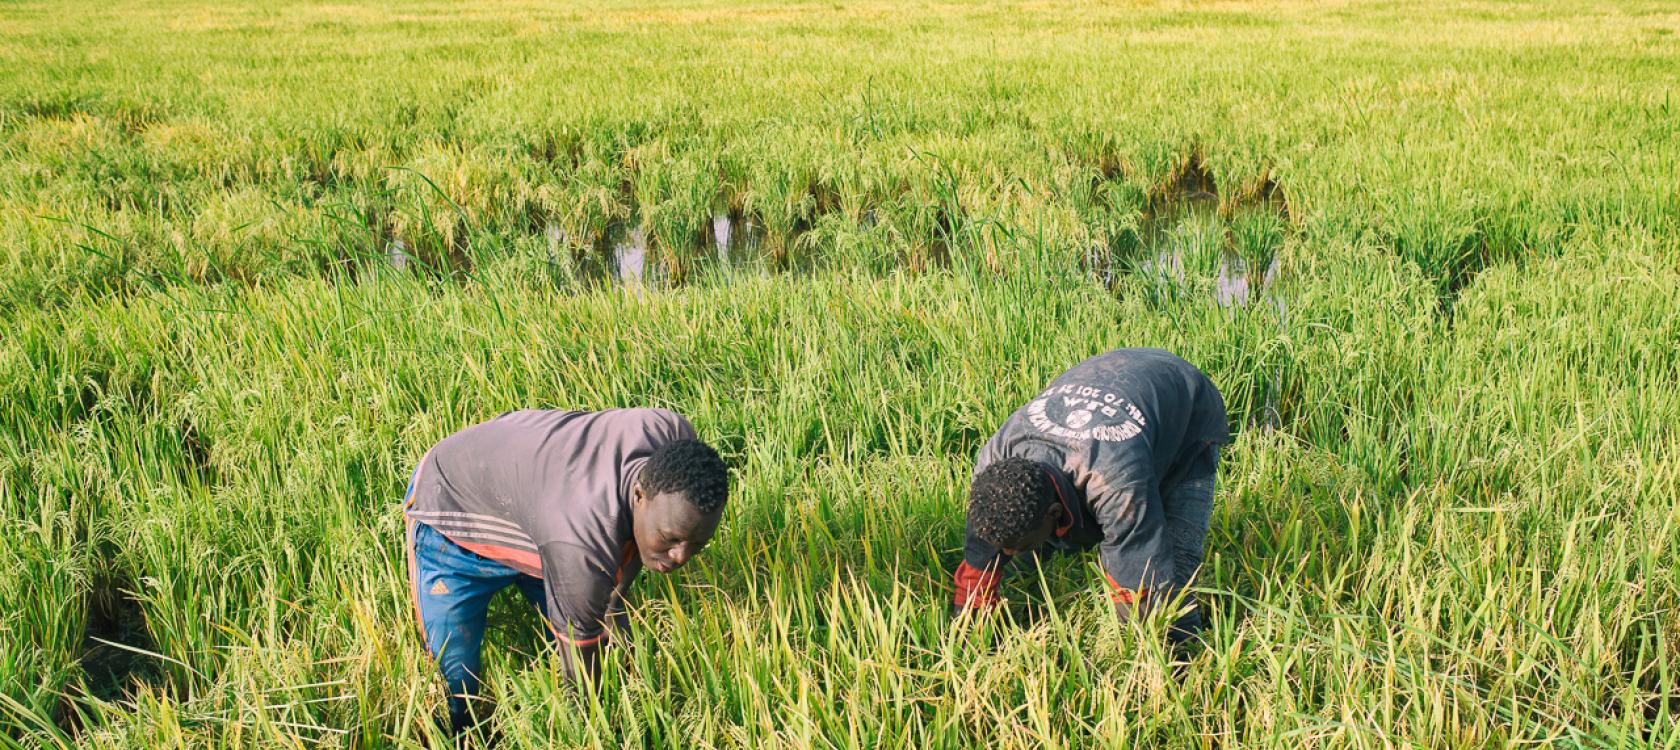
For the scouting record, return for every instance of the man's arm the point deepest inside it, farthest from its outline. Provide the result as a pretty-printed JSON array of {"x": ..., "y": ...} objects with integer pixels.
[
  {"x": 579, "y": 589},
  {"x": 1135, "y": 554},
  {"x": 978, "y": 576},
  {"x": 618, "y": 619}
]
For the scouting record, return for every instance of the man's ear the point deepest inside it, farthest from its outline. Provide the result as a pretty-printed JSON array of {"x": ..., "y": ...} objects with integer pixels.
[
  {"x": 1053, "y": 513},
  {"x": 637, "y": 497}
]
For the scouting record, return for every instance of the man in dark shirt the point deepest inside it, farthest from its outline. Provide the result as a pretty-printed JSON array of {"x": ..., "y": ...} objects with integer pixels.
[
  {"x": 568, "y": 506},
  {"x": 1119, "y": 452}
]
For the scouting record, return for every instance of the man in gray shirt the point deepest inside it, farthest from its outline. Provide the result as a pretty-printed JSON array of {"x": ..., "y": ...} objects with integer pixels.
[
  {"x": 568, "y": 506},
  {"x": 1120, "y": 453}
]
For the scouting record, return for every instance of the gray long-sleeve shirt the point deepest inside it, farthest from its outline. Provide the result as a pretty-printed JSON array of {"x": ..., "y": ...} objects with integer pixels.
[
  {"x": 548, "y": 493},
  {"x": 1114, "y": 428}
]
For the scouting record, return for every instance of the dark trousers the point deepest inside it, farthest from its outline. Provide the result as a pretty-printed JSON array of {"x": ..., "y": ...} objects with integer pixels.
[{"x": 1189, "y": 508}]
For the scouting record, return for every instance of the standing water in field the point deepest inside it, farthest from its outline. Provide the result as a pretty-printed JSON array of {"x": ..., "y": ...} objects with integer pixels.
[
  {"x": 1230, "y": 287},
  {"x": 630, "y": 254},
  {"x": 625, "y": 255},
  {"x": 738, "y": 241},
  {"x": 1184, "y": 246},
  {"x": 722, "y": 228},
  {"x": 1237, "y": 278},
  {"x": 1187, "y": 249},
  {"x": 621, "y": 256},
  {"x": 397, "y": 254},
  {"x": 555, "y": 236}
]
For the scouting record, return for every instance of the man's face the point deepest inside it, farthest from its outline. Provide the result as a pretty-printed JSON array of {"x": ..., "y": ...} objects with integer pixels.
[
  {"x": 1037, "y": 536},
  {"x": 669, "y": 530}
]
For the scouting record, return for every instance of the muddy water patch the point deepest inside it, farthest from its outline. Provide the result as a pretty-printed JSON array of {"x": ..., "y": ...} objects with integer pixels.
[
  {"x": 739, "y": 242},
  {"x": 1188, "y": 247},
  {"x": 1172, "y": 277},
  {"x": 627, "y": 254},
  {"x": 1238, "y": 283},
  {"x": 1189, "y": 244},
  {"x": 619, "y": 256},
  {"x": 630, "y": 258},
  {"x": 397, "y": 255}
]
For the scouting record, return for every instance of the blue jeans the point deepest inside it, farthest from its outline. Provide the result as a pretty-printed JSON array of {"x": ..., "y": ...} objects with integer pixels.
[{"x": 452, "y": 589}]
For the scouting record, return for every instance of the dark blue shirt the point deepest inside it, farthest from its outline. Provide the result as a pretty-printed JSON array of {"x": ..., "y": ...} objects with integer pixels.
[{"x": 1111, "y": 432}]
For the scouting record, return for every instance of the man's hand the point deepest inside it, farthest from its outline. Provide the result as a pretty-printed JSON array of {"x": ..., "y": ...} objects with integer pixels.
[
  {"x": 578, "y": 660},
  {"x": 1124, "y": 611},
  {"x": 975, "y": 588},
  {"x": 1128, "y": 603},
  {"x": 957, "y": 610},
  {"x": 589, "y": 657},
  {"x": 1186, "y": 626},
  {"x": 1184, "y": 633}
]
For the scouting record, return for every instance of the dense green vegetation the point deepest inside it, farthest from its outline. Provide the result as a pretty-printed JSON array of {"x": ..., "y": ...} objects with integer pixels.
[{"x": 254, "y": 259}]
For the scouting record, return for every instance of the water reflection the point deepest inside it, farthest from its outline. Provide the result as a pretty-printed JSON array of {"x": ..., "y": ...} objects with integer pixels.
[
  {"x": 1185, "y": 247},
  {"x": 630, "y": 255},
  {"x": 737, "y": 240},
  {"x": 397, "y": 255}
]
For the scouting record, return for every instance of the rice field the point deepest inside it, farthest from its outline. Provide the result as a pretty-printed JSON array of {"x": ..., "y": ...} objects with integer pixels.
[{"x": 255, "y": 258}]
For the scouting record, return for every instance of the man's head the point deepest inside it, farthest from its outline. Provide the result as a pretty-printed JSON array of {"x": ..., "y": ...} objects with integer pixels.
[
  {"x": 1012, "y": 505},
  {"x": 677, "y": 502}
]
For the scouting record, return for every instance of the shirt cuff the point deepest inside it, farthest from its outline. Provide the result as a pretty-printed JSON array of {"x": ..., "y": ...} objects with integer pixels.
[{"x": 976, "y": 588}]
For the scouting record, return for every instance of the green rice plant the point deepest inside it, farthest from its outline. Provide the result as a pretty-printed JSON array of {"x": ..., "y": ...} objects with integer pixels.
[
  {"x": 782, "y": 196},
  {"x": 674, "y": 190},
  {"x": 42, "y": 593},
  {"x": 1446, "y": 518}
]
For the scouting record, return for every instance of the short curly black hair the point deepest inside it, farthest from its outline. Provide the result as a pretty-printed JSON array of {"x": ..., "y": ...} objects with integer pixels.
[
  {"x": 1008, "y": 499},
  {"x": 691, "y": 468}
]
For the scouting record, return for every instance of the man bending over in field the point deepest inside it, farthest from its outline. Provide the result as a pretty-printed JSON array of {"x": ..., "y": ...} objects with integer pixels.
[
  {"x": 1119, "y": 451},
  {"x": 566, "y": 505}
]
